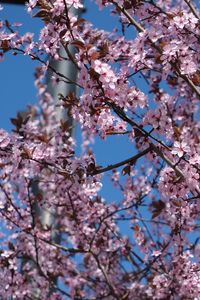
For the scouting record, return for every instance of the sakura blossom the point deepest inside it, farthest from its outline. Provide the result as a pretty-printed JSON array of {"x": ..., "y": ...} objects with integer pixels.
[
  {"x": 124, "y": 229},
  {"x": 4, "y": 138},
  {"x": 180, "y": 148}
]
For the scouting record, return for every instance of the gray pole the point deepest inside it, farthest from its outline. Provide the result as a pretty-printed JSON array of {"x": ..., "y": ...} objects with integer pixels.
[{"x": 69, "y": 70}]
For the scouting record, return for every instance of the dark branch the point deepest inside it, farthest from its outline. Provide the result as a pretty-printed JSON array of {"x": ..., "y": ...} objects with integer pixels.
[{"x": 130, "y": 160}]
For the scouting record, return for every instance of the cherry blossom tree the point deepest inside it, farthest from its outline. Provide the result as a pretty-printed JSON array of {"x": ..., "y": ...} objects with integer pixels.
[{"x": 158, "y": 186}]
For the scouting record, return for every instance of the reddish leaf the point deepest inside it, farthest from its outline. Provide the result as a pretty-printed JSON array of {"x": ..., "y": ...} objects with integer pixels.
[
  {"x": 126, "y": 170},
  {"x": 79, "y": 22},
  {"x": 157, "y": 208}
]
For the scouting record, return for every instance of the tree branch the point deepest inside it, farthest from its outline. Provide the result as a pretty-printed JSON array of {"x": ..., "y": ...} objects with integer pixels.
[
  {"x": 105, "y": 276},
  {"x": 130, "y": 160},
  {"x": 159, "y": 152},
  {"x": 192, "y": 8}
]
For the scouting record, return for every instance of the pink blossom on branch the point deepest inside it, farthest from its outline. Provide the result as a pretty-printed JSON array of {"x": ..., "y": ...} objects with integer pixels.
[
  {"x": 180, "y": 148},
  {"x": 142, "y": 241}
]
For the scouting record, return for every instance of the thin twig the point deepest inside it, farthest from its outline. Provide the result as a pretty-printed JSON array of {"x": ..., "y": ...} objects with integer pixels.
[
  {"x": 159, "y": 152},
  {"x": 192, "y": 8},
  {"x": 112, "y": 288},
  {"x": 58, "y": 246},
  {"x": 132, "y": 21},
  {"x": 35, "y": 57},
  {"x": 120, "y": 112},
  {"x": 11, "y": 202},
  {"x": 130, "y": 160}
]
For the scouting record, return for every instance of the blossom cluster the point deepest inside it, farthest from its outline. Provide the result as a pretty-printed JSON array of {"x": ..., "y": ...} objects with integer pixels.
[{"x": 61, "y": 239}]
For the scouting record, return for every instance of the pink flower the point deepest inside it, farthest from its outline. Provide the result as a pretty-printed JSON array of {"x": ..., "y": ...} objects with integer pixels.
[
  {"x": 180, "y": 148},
  {"x": 4, "y": 139},
  {"x": 75, "y": 3},
  {"x": 188, "y": 66},
  {"x": 31, "y": 5},
  {"x": 156, "y": 253},
  {"x": 107, "y": 76}
]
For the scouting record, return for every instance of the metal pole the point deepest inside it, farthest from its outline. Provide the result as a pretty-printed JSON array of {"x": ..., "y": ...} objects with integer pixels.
[{"x": 69, "y": 70}]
